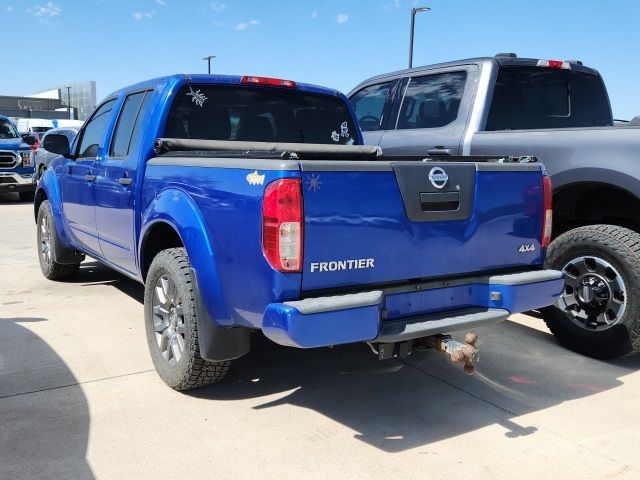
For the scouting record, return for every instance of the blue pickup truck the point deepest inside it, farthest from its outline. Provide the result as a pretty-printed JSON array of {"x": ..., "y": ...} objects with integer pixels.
[
  {"x": 249, "y": 204},
  {"x": 16, "y": 161}
]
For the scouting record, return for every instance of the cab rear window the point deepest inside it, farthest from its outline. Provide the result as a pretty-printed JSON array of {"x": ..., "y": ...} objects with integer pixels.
[
  {"x": 260, "y": 114},
  {"x": 534, "y": 98}
]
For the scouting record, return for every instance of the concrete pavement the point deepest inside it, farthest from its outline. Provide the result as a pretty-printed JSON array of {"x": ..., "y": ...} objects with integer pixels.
[{"x": 79, "y": 398}]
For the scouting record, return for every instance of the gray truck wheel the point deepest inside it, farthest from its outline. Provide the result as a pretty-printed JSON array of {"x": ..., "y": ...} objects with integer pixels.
[
  {"x": 597, "y": 313},
  {"x": 46, "y": 235},
  {"x": 171, "y": 325}
]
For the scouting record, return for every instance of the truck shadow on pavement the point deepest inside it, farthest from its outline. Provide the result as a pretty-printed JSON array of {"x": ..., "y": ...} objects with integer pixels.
[
  {"x": 44, "y": 415},
  {"x": 397, "y": 405}
]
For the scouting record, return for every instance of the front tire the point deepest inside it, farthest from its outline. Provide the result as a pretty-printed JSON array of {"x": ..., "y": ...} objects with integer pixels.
[
  {"x": 171, "y": 324},
  {"x": 598, "y": 312},
  {"x": 47, "y": 240}
]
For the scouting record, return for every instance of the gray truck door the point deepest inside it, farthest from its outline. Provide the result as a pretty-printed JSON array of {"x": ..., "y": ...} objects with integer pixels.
[{"x": 431, "y": 113}]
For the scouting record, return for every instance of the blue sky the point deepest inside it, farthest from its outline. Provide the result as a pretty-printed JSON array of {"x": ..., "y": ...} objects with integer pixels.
[{"x": 336, "y": 43}]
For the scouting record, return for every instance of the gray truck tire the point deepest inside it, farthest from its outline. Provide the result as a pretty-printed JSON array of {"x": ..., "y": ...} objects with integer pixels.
[
  {"x": 171, "y": 324},
  {"x": 46, "y": 234},
  {"x": 598, "y": 312}
]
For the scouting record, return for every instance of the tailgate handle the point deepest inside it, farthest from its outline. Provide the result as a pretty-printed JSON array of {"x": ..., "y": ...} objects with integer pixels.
[
  {"x": 439, "y": 202},
  {"x": 439, "y": 151}
]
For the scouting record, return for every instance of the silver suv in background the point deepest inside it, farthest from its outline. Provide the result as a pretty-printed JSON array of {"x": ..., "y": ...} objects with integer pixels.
[
  {"x": 42, "y": 157},
  {"x": 558, "y": 111}
]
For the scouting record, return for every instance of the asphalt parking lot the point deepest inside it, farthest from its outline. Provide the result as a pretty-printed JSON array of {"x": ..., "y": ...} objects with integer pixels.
[{"x": 79, "y": 398}]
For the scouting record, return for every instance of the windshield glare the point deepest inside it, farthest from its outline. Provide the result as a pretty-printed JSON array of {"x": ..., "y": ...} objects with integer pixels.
[{"x": 8, "y": 130}]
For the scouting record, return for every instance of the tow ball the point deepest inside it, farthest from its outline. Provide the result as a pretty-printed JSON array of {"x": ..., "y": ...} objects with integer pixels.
[{"x": 466, "y": 352}]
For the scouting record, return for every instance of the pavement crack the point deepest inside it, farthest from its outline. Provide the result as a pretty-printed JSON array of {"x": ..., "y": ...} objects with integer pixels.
[{"x": 75, "y": 384}]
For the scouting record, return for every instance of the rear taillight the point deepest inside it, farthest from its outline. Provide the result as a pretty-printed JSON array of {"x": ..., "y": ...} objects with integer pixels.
[
  {"x": 282, "y": 229},
  {"x": 547, "y": 224},
  {"x": 272, "y": 82}
]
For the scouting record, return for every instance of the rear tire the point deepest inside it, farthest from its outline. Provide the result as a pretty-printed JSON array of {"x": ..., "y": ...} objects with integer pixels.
[
  {"x": 47, "y": 240},
  {"x": 27, "y": 196},
  {"x": 171, "y": 324},
  {"x": 598, "y": 312}
]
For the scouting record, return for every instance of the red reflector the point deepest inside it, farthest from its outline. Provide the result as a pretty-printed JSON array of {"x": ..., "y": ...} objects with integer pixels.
[
  {"x": 282, "y": 228},
  {"x": 555, "y": 63},
  {"x": 547, "y": 221},
  {"x": 272, "y": 82}
]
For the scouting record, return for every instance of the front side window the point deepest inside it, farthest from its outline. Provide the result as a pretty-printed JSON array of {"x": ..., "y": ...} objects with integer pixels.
[
  {"x": 95, "y": 130},
  {"x": 259, "y": 114},
  {"x": 369, "y": 105},
  {"x": 432, "y": 101},
  {"x": 8, "y": 130},
  {"x": 529, "y": 97}
]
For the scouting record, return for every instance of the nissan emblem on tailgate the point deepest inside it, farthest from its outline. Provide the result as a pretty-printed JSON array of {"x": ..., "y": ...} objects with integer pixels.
[{"x": 438, "y": 177}]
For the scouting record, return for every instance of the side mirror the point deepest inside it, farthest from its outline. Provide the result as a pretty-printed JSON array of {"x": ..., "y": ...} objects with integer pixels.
[
  {"x": 56, "y": 143},
  {"x": 29, "y": 139}
]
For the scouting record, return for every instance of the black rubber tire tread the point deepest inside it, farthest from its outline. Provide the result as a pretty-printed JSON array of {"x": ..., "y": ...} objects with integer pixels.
[
  {"x": 27, "y": 196},
  {"x": 192, "y": 371},
  {"x": 621, "y": 248},
  {"x": 53, "y": 270}
]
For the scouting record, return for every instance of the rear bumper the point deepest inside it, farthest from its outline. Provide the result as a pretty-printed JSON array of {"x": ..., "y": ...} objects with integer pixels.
[{"x": 407, "y": 313}]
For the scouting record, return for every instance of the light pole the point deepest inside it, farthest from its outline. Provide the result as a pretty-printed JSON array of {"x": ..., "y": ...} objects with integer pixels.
[
  {"x": 413, "y": 21},
  {"x": 69, "y": 100},
  {"x": 208, "y": 60}
]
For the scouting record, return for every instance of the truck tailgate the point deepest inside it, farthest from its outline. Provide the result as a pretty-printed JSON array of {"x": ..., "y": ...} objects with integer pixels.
[{"x": 377, "y": 222}]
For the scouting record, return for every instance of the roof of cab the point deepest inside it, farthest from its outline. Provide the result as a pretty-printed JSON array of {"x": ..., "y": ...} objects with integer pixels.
[
  {"x": 497, "y": 61},
  {"x": 213, "y": 80}
]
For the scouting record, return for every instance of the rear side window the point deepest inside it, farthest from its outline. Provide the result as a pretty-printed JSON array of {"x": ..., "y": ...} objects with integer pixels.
[
  {"x": 432, "y": 101},
  {"x": 369, "y": 105},
  {"x": 261, "y": 114},
  {"x": 128, "y": 126},
  {"x": 534, "y": 97}
]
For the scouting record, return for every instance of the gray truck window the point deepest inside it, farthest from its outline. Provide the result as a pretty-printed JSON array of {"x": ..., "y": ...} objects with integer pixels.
[
  {"x": 128, "y": 127},
  {"x": 432, "y": 101},
  {"x": 369, "y": 105},
  {"x": 259, "y": 114},
  {"x": 95, "y": 130},
  {"x": 7, "y": 130},
  {"x": 536, "y": 97}
]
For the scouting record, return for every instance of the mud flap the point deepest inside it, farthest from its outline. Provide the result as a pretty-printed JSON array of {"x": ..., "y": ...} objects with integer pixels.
[{"x": 217, "y": 344}]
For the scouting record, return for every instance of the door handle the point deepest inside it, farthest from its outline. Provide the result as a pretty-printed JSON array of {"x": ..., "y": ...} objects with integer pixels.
[
  {"x": 89, "y": 178},
  {"x": 439, "y": 151},
  {"x": 125, "y": 181}
]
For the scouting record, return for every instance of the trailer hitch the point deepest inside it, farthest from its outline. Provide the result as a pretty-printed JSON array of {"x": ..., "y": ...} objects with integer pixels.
[{"x": 466, "y": 352}]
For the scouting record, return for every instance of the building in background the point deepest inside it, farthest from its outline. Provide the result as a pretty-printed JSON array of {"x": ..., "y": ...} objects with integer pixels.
[
  {"x": 53, "y": 103},
  {"x": 82, "y": 97}
]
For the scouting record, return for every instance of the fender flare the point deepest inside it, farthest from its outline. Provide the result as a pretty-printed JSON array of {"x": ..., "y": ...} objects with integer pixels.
[
  {"x": 218, "y": 339},
  {"x": 174, "y": 207},
  {"x": 603, "y": 176}
]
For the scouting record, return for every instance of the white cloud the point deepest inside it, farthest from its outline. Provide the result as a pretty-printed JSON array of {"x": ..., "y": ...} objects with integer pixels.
[
  {"x": 9, "y": 9},
  {"x": 47, "y": 10},
  {"x": 392, "y": 5},
  {"x": 139, "y": 15},
  {"x": 314, "y": 14},
  {"x": 161, "y": 2},
  {"x": 342, "y": 18},
  {"x": 217, "y": 6},
  {"x": 246, "y": 25}
]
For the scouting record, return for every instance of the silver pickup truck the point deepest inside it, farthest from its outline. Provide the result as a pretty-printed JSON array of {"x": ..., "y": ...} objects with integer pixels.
[{"x": 558, "y": 111}]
